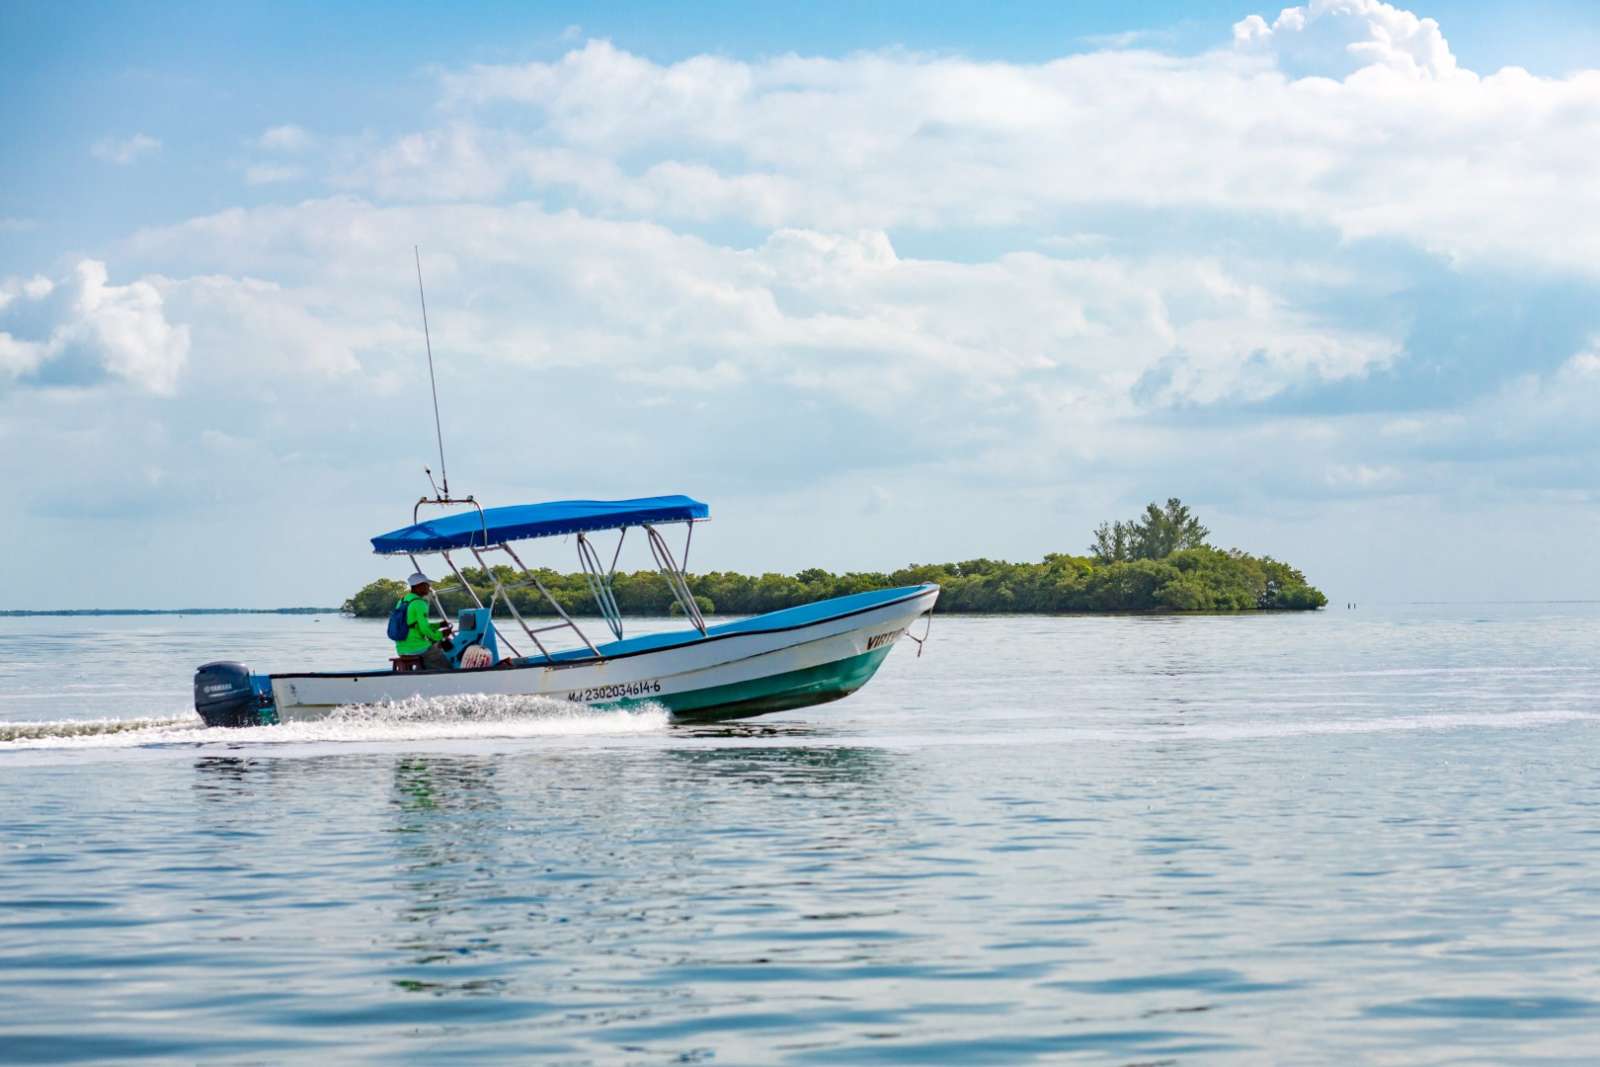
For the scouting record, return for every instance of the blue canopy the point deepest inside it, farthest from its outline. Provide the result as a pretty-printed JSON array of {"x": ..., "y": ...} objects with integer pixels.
[{"x": 522, "y": 521}]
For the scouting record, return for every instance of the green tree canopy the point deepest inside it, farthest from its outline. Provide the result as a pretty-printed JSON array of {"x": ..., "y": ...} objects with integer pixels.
[{"x": 1156, "y": 534}]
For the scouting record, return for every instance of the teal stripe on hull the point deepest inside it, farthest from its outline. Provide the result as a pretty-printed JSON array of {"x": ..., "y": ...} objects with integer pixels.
[{"x": 777, "y": 692}]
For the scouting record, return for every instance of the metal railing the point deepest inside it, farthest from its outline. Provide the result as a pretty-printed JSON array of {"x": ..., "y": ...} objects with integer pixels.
[
  {"x": 674, "y": 574},
  {"x": 600, "y": 582}
]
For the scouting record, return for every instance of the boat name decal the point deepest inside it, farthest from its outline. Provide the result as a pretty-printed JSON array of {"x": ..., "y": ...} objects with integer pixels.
[
  {"x": 614, "y": 692},
  {"x": 879, "y": 640}
]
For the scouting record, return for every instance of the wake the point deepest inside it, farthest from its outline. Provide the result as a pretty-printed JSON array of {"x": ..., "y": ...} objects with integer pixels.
[
  {"x": 415, "y": 719},
  {"x": 13, "y": 733}
]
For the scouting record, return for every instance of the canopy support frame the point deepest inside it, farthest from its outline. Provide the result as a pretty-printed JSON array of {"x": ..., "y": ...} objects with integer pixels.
[
  {"x": 677, "y": 580},
  {"x": 600, "y": 583},
  {"x": 561, "y": 611},
  {"x": 473, "y": 593},
  {"x": 621, "y": 537},
  {"x": 511, "y": 604},
  {"x": 598, "y": 577},
  {"x": 461, "y": 578}
]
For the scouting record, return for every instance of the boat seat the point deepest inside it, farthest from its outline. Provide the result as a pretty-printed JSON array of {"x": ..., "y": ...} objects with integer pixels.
[{"x": 405, "y": 663}]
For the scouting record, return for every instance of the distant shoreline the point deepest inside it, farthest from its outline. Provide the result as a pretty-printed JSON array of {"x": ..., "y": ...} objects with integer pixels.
[
  {"x": 20, "y": 613},
  {"x": 91, "y": 612}
]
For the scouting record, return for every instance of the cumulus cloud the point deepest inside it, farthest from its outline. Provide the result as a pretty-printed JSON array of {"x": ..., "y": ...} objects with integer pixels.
[
  {"x": 82, "y": 329},
  {"x": 1030, "y": 354},
  {"x": 286, "y": 138},
  {"x": 245, "y": 328},
  {"x": 810, "y": 363},
  {"x": 1336, "y": 38},
  {"x": 1533, "y": 434},
  {"x": 123, "y": 151},
  {"x": 1550, "y": 415},
  {"x": 899, "y": 140},
  {"x": 268, "y": 174},
  {"x": 806, "y": 310}
]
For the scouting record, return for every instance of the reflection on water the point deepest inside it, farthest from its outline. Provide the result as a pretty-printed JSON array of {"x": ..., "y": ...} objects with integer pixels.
[
  {"x": 424, "y": 784},
  {"x": 754, "y": 729},
  {"x": 449, "y": 853},
  {"x": 224, "y": 779},
  {"x": 502, "y": 865}
]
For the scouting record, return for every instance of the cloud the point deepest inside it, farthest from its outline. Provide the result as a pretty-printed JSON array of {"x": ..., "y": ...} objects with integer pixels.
[
  {"x": 897, "y": 140},
  {"x": 1336, "y": 38},
  {"x": 1534, "y": 434},
  {"x": 459, "y": 162},
  {"x": 805, "y": 310},
  {"x": 81, "y": 330},
  {"x": 809, "y": 363},
  {"x": 1128, "y": 38},
  {"x": 269, "y": 174},
  {"x": 1066, "y": 344},
  {"x": 278, "y": 142},
  {"x": 245, "y": 328},
  {"x": 287, "y": 138},
  {"x": 124, "y": 151},
  {"x": 1362, "y": 476},
  {"x": 138, "y": 492},
  {"x": 1546, "y": 416}
]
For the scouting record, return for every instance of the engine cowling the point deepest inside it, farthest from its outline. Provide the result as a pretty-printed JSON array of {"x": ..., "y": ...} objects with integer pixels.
[{"x": 224, "y": 696}]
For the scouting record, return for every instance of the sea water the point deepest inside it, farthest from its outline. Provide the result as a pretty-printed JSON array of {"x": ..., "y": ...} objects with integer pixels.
[{"x": 1368, "y": 836}]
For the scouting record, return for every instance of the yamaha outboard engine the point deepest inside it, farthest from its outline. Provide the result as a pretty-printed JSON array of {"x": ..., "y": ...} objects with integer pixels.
[{"x": 224, "y": 696}]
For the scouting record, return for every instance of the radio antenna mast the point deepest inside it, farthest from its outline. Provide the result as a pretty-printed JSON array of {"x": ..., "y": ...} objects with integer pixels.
[{"x": 438, "y": 432}]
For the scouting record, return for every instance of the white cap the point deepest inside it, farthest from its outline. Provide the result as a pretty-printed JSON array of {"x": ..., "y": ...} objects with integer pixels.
[{"x": 417, "y": 579}]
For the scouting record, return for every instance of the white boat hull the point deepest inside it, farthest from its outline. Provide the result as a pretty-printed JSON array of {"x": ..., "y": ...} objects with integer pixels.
[{"x": 721, "y": 675}]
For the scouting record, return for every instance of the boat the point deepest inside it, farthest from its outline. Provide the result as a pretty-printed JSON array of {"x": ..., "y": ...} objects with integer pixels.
[{"x": 791, "y": 658}]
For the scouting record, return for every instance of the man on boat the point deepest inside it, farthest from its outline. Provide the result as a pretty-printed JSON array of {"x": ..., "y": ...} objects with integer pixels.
[{"x": 423, "y": 638}]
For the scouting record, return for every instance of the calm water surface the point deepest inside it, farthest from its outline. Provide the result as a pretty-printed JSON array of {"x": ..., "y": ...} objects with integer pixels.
[{"x": 1366, "y": 836}]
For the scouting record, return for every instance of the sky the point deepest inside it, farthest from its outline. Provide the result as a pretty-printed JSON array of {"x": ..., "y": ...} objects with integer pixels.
[{"x": 921, "y": 283}]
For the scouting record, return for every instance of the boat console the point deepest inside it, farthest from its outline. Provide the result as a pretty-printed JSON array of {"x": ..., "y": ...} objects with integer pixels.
[{"x": 474, "y": 627}]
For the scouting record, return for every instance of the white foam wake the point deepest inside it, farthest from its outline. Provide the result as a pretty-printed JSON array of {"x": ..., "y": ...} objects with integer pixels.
[
  {"x": 482, "y": 715},
  {"x": 415, "y": 719},
  {"x": 14, "y": 734}
]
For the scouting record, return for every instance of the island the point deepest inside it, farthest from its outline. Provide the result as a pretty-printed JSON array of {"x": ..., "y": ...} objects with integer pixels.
[{"x": 1161, "y": 561}]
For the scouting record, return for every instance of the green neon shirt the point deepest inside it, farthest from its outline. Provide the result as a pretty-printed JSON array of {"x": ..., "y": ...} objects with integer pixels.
[{"x": 424, "y": 634}]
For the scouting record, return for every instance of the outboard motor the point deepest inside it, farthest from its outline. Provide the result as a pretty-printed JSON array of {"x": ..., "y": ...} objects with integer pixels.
[{"x": 224, "y": 696}]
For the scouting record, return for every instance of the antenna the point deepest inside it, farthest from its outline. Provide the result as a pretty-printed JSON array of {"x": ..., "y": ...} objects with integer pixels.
[{"x": 438, "y": 433}]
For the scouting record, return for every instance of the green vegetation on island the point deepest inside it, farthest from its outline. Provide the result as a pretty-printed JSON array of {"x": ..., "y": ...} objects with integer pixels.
[{"x": 1160, "y": 561}]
